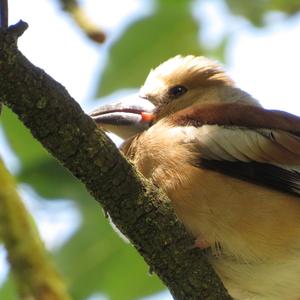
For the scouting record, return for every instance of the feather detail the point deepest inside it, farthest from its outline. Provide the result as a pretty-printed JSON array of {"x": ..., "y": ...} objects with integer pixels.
[
  {"x": 244, "y": 141},
  {"x": 236, "y": 114}
]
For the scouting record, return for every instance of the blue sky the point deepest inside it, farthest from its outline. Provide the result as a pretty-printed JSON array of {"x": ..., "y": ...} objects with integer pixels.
[{"x": 264, "y": 62}]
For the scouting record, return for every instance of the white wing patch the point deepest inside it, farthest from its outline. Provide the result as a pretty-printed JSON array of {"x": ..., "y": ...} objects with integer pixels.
[{"x": 216, "y": 142}]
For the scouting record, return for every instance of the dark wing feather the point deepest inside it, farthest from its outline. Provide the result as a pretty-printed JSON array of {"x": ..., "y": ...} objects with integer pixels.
[
  {"x": 246, "y": 142},
  {"x": 259, "y": 173}
]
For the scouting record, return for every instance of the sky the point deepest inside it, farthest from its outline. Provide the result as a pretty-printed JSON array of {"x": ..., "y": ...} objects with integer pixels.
[{"x": 263, "y": 62}]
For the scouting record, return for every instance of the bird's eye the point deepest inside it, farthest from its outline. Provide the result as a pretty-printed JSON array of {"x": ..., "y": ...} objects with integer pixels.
[{"x": 177, "y": 91}]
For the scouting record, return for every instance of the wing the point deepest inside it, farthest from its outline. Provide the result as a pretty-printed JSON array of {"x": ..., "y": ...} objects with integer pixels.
[{"x": 247, "y": 142}]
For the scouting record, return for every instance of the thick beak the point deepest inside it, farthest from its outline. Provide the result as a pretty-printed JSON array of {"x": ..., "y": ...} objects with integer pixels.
[{"x": 126, "y": 117}]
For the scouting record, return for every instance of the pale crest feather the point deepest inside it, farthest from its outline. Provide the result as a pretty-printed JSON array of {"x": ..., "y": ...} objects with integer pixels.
[{"x": 190, "y": 70}]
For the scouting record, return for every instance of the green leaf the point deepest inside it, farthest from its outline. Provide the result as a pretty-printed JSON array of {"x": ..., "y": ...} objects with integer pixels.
[
  {"x": 171, "y": 30},
  {"x": 8, "y": 289},
  {"x": 25, "y": 146},
  {"x": 38, "y": 168},
  {"x": 289, "y": 7},
  {"x": 255, "y": 10}
]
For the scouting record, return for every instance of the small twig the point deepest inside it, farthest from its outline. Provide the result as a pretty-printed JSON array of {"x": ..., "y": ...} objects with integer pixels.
[
  {"x": 3, "y": 21},
  {"x": 3, "y": 14},
  {"x": 83, "y": 21},
  {"x": 18, "y": 29},
  {"x": 86, "y": 25}
]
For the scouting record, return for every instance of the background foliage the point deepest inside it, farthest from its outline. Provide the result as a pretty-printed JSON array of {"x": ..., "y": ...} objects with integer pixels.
[{"x": 95, "y": 260}]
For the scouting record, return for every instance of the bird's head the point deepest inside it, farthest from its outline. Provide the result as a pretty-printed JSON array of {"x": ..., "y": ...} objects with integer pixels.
[
  {"x": 181, "y": 82},
  {"x": 176, "y": 84}
]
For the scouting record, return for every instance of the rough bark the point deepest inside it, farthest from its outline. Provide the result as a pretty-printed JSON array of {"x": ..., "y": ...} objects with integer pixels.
[{"x": 141, "y": 211}]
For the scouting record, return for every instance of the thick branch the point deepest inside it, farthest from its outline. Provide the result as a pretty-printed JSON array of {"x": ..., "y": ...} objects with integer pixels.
[{"x": 137, "y": 208}]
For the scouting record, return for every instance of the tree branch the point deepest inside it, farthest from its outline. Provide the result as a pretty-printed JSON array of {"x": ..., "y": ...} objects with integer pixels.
[
  {"x": 3, "y": 20},
  {"x": 83, "y": 21},
  {"x": 139, "y": 210},
  {"x": 3, "y": 14},
  {"x": 34, "y": 273}
]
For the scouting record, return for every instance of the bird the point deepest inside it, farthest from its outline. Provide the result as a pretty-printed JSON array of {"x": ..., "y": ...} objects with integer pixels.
[{"x": 229, "y": 166}]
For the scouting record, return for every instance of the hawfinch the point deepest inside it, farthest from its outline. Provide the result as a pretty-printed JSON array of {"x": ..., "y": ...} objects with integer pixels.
[{"x": 229, "y": 166}]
